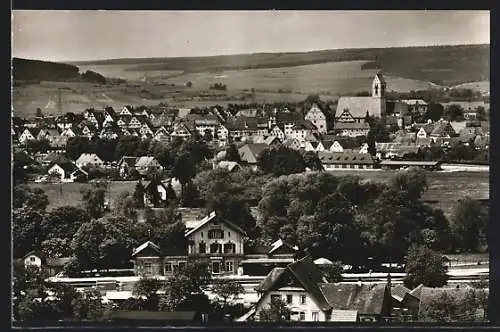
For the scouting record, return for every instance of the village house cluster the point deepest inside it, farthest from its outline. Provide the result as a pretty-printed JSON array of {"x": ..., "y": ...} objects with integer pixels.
[{"x": 334, "y": 139}]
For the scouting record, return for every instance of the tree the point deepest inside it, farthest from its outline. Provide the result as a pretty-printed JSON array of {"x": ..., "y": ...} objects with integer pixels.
[
  {"x": 413, "y": 181},
  {"x": 425, "y": 266},
  {"x": 181, "y": 289},
  {"x": 481, "y": 114},
  {"x": 63, "y": 222},
  {"x": 93, "y": 201},
  {"x": 226, "y": 290},
  {"x": 469, "y": 225},
  {"x": 189, "y": 84},
  {"x": 275, "y": 312},
  {"x": 281, "y": 161},
  {"x": 88, "y": 305},
  {"x": 311, "y": 161},
  {"x": 139, "y": 195},
  {"x": 77, "y": 145},
  {"x": 104, "y": 243},
  {"x": 372, "y": 150},
  {"x": 232, "y": 153},
  {"x": 38, "y": 146},
  {"x": 26, "y": 230},
  {"x": 148, "y": 288},
  {"x": 434, "y": 112},
  {"x": 379, "y": 131},
  {"x": 32, "y": 198},
  {"x": 333, "y": 272},
  {"x": 184, "y": 169},
  {"x": 451, "y": 307},
  {"x": 124, "y": 205},
  {"x": 454, "y": 112}
]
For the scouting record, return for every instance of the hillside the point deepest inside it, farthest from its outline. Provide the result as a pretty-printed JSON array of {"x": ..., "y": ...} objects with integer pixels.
[
  {"x": 36, "y": 70},
  {"x": 443, "y": 65}
]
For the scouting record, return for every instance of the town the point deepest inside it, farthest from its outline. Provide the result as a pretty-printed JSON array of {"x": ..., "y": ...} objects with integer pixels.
[{"x": 252, "y": 212}]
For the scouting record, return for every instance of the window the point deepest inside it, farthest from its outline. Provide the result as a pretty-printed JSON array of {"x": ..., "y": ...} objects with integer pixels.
[
  {"x": 202, "y": 247},
  {"x": 302, "y": 299},
  {"x": 182, "y": 265},
  {"x": 215, "y": 234},
  {"x": 215, "y": 267},
  {"x": 289, "y": 299},
  {"x": 202, "y": 235},
  {"x": 229, "y": 234},
  {"x": 148, "y": 268},
  {"x": 229, "y": 248},
  {"x": 275, "y": 297},
  {"x": 168, "y": 268},
  {"x": 215, "y": 248},
  {"x": 302, "y": 315},
  {"x": 229, "y": 266},
  {"x": 32, "y": 259},
  {"x": 315, "y": 316}
]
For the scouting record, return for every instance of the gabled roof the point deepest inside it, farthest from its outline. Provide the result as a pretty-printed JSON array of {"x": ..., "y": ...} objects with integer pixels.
[
  {"x": 327, "y": 157},
  {"x": 380, "y": 77},
  {"x": 271, "y": 278},
  {"x": 323, "y": 261},
  {"x": 128, "y": 160},
  {"x": 228, "y": 165},
  {"x": 88, "y": 158},
  {"x": 442, "y": 128},
  {"x": 357, "y": 106},
  {"x": 145, "y": 161},
  {"x": 417, "y": 291},
  {"x": 279, "y": 244},
  {"x": 398, "y": 292},
  {"x": 366, "y": 299},
  {"x": 147, "y": 244},
  {"x": 250, "y": 151},
  {"x": 344, "y": 315},
  {"x": 270, "y": 140},
  {"x": 210, "y": 218},
  {"x": 69, "y": 167}
]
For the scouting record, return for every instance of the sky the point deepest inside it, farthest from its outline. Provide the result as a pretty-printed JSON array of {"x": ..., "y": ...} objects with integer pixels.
[{"x": 95, "y": 35}]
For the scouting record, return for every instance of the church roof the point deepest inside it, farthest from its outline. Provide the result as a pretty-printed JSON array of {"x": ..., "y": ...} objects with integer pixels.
[
  {"x": 358, "y": 106},
  {"x": 380, "y": 77}
]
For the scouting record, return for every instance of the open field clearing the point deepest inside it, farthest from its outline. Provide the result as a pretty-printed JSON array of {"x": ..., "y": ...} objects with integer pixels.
[
  {"x": 482, "y": 86},
  {"x": 444, "y": 189}
]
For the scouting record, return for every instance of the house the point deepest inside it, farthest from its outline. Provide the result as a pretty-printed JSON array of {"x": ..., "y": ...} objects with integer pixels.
[
  {"x": 89, "y": 159},
  {"x": 28, "y": 134},
  {"x": 204, "y": 123},
  {"x": 55, "y": 265},
  {"x": 424, "y": 130},
  {"x": 340, "y": 160},
  {"x": 249, "y": 153},
  {"x": 67, "y": 172},
  {"x": 260, "y": 260},
  {"x": 317, "y": 118},
  {"x": 416, "y": 105},
  {"x": 54, "y": 157},
  {"x": 126, "y": 110},
  {"x": 404, "y": 303},
  {"x": 355, "y": 109},
  {"x": 48, "y": 134},
  {"x": 161, "y": 135},
  {"x": 213, "y": 240},
  {"x": 309, "y": 296},
  {"x": 32, "y": 259},
  {"x": 443, "y": 129},
  {"x": 145, "y": 164},
  {"x": 157, "y": 193},
  {"x": 352, "y": 129},
  {"x": 181, "y": 130},
  {"x": 228, "y": 165},
  {"x": 142, "y": 165},
  {"x": 247, "y": 126},
  {"x": 398, "y": 164},
  {"x": 292, "y": 143}
]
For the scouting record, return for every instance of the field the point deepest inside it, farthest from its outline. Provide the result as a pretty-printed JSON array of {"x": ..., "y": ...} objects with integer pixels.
[
  {"x": 469, "y": 62},
  {"x": 271, "y": 84},
  {"x": 445, "y": 188}
]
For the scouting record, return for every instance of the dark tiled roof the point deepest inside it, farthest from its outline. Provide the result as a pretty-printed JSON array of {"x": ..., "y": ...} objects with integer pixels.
[
  {"x": 399, "y": 292},
  {"x": 366, "y": 299},
  {"x": 345, "y": 158},
  {"x": 269, "y": 281}
]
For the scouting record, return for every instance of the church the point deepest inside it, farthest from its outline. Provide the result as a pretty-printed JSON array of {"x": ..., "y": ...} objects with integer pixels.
[{"x": 355, "y": 109}]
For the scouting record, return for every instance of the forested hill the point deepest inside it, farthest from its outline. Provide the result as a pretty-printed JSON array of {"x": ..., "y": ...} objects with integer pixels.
[{"x": 36, "y": 70}]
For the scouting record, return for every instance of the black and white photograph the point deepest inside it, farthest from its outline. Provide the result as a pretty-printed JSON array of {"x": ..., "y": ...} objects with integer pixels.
[{"x": 181, "y": 167}]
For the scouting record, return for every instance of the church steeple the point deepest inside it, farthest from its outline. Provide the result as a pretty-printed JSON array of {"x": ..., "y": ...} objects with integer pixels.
[{"x": 378, "y": 86}]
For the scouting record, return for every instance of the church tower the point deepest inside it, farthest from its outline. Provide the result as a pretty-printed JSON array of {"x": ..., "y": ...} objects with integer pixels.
[
  {"x": 378, "y": 86},
  {"x": 378, "y": 93}
]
